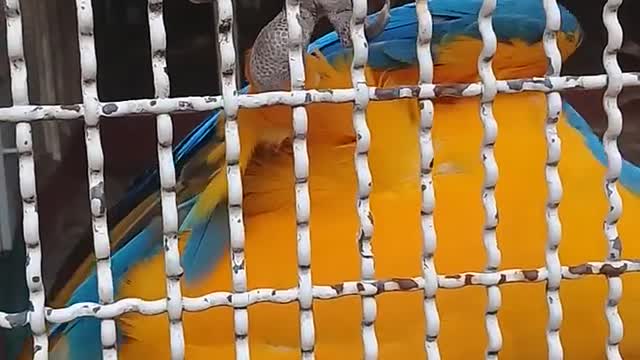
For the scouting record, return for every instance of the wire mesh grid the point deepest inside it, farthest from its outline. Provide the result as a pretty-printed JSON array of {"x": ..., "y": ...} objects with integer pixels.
[{"x": 92, "y": 110}]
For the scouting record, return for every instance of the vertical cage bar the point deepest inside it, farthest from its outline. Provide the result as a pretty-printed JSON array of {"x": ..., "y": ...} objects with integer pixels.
[
  {"x": 301, "y": 172},
  {"x": 490, "y": 126},
  {"x": 95, "y": 173},
  {"x": 227, "y": 66},
  {"x": 27, "y": 178},
  {"x": 429, "y": 273},
  {"x": 614, "y": 167},
  {"x": 164, "y": 125},
  {"x": 554, "y": 183},
  {"x": 363, "y": 174}
]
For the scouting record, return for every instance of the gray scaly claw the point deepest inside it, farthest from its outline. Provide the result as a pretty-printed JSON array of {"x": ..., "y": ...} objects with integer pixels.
[{"x": 269, "y": 59}]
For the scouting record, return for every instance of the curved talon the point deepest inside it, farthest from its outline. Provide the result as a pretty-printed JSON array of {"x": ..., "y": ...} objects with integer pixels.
[{"x": 268, "y": 63}]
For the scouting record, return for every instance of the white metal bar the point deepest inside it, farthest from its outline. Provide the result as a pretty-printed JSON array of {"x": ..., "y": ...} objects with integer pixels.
[
  {"x": 490, "y": 126},
  {"x": 554, "y": 183},
  {"x": 363, "y": 174},
  {"x": 95, "y": 173},
  {"x": 27, "y": 178},
  {"x": 301, "y": 173},
  {"x": 429, "y": 273},
  {"x": 164, "y": 124},
  {"x": 325, "y": 292},
  {"x": 614, "y": 167},
  {"x": 30, "y": 113},
  {"x": 227, "y": 68}
]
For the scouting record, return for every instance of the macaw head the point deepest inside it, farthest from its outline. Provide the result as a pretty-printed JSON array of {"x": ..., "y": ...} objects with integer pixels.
[{"x": 456, "y": 41}]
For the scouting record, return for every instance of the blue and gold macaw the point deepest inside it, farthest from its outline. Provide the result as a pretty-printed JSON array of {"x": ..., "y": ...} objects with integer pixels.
[{"x": 269, "y": 210}]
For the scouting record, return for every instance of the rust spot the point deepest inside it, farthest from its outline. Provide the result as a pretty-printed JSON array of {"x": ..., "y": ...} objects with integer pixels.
[
  {"x": 155, "y": 7},
  {"x": 530, "y": 275},
  {"x": 612, "y": 271},
  {"x": 17, "y": 320},
  {"x": 160, "y": 53},
  {"x": 97, "y": 193},
  {"x": 307, "y": 98},
  {"x": 225, "y": 26},
  {"x": 109, "y": 109},
  {"x": 549, "y": 65},
  {"x": 468, "y": 279},
  {"x": 360, "y": 287},
  {"x": 575, "y": 78},
  {"x": 238, "y": 267},
  {"x": 96, "y": 309},
  {"x": 328, "y": 91},
  {"x": 515, "y": 84},
  {"x": 380, "y": 287},
  {"x": 74, "y": 107},
  {"x": 11, "y": 12},
  {"x": 617, "y": 244},
  {"x": 338, "y": 288},
  {"x": 450, "y": 90},
  {"x": 394, "y": 93},
  {"x": 406, "y": 284},
  {"x": 503, "y": 279},
  {"x": 185, "y": 105},
  {"x": 582, "y": 269},
  {"x": 456, "y": 276},
  {"x": 361, "y": 239}
]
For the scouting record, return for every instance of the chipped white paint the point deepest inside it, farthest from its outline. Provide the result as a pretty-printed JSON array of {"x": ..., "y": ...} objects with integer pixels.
[
  {"x": 554, "y": 184},
  {"x": 95, "y": 171},
  {"x": 490, "y": 166},
  {"x": 30, "y": 113},
  {"x": 614, "y": 167},
  {"x": 301, "y": 173},
  {"x": 429, "y": 273},
  {"x": 27, "y": 178},
  {"x": 227, "y": 70},
  {"x": 164, "y": 125}
]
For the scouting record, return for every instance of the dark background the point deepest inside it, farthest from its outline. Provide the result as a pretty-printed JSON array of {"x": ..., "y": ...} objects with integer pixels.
[{"x": 129, "y": 144}]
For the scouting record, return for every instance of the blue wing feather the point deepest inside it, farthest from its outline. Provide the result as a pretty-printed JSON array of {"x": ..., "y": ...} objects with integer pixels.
[
  {"x": 630, "y": 174},
  {"x": 396, "y": 46},
  {"x": 206, "y": 243},
  {"x": 142, "y": 246}
]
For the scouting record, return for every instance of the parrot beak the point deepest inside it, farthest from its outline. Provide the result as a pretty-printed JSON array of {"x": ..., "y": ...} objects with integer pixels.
[{"x": 377, "y": 27}]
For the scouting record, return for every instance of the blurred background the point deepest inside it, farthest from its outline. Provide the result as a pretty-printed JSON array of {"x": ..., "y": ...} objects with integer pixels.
[{"x": 124, "y": 72}]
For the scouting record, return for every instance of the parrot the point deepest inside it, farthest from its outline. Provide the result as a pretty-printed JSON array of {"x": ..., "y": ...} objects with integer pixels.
[{"x": 395, "y": 201}]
